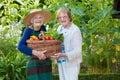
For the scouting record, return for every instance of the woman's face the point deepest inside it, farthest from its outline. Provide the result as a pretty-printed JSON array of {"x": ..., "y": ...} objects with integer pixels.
[
  {"x": 64, "y": 19},
  {"x": 38, "y": 21}
]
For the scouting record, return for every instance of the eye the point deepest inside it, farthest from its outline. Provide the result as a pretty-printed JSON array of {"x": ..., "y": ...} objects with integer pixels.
[
  {"x": 64, "y": 17},
  {"x": 41, "y": 17}
]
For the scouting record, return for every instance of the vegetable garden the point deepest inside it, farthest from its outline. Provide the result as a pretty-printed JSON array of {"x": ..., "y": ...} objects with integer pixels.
[{"x": 100, "y": 31}]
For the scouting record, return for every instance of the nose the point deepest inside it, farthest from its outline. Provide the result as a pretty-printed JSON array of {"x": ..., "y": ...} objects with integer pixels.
[{"x": 62, "y": 18}]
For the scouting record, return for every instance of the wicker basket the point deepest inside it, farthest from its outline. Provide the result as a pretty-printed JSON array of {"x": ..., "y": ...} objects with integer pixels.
[{"x": 52, "y": 46}]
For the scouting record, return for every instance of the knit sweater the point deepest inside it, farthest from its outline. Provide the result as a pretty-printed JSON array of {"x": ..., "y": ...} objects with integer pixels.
[{"x": 22, "y": 45}]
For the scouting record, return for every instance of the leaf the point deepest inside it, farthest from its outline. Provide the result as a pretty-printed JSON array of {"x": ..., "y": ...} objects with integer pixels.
[
  {"x": 15, "y": 5},
  {"x": 116, "y": 41},
  {"x": 78, "y": 11},
  {"x": 114, "y": 29},
  {"x": 95, "y": 23},
  {"x": 13, "y": 11}
]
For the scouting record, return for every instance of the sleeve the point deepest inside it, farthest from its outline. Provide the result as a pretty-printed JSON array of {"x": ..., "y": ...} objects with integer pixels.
[
  {"x": 22, "y": 46},
  {"x": 76, "y": 44}
]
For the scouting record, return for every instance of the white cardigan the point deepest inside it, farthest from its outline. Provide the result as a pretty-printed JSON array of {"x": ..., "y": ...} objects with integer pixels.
[{"x": 72, "y": 43}]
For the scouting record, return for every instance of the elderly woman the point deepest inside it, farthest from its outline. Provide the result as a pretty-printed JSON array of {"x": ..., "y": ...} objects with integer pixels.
[
  {"x": 69, "y": 60},
  {"x": 38, "y": 67}
]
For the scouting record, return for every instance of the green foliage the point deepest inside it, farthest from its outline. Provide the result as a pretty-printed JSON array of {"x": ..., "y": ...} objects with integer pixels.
[
  {"x": 94, "y": 77},
  {"x": 99, "y": 77},
  {"x": 8, "y": 45},
  {"x": 12, "y": 66},
  {"x": 12, "y": 62},
  {"x": 55, "y": 34}
]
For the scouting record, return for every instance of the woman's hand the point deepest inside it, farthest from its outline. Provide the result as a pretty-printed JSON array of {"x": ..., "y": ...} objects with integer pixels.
[
  {"x": 39, "y": 54},
  {"x": 41, "y": 35},
  {"x": 57, "y": 55}
]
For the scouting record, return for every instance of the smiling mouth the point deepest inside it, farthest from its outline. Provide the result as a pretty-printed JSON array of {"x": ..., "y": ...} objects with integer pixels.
[
  {"x": 38, "y": 22},
  {"x": 63, "y": 22}
]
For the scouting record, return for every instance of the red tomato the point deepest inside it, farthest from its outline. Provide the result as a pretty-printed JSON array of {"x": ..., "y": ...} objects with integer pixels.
[
  {"x": 51, "y": 38},
  {"x": 47, "y": 38}
]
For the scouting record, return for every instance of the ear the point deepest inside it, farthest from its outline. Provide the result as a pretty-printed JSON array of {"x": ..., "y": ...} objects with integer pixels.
[{"x": 31, "y": 21}]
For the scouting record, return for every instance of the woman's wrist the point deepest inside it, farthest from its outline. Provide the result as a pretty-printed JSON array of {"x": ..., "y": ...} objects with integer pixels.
[
  {"x": 34, "y": 52},
  {"x": 64, "y": 55}
]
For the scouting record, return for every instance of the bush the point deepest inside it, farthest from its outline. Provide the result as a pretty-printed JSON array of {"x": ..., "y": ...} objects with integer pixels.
[
  {"x": 94, "y": 77},
  {"x": 12, "y": 66}
]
